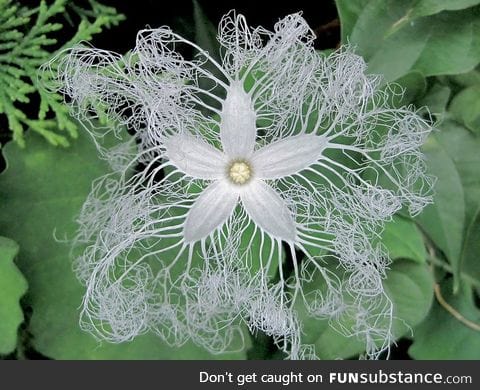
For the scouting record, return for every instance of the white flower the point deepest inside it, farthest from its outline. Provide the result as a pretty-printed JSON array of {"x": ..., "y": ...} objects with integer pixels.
[
  {"x": 239, "y": 172},
  {"x": 288, "y": 159}
]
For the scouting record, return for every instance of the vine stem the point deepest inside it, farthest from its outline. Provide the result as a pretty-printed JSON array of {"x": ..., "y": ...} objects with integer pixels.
[{"x": 441, "y": 300}]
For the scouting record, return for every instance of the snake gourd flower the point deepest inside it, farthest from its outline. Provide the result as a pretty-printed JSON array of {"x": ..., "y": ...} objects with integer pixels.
[{"x": 250, "y": 189}]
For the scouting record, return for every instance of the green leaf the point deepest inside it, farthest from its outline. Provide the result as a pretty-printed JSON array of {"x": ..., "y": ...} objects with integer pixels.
[
  {"x": 403, "y": 240},
  {"x": 467, "y": 79},
  {"x": 260, "y": 249},
  {"x": 348, "y": 11},
  {"x": 13, "y": 286},
  {"x": 413, "y": 86},
  {"x": 206, "y": 38},
  {"x": 436, "y": 99},
  {"x": 471, "y": 249},
  {"x": 444, "y": 220},
  {"x": 41, "y": 192},
  {"x": 465, "y": 108},
  {"x": 205, "y": 32},
  {"x": 406, "y": 282},
  {"x": 442, "y": 336},
  {"x": 463, "y": 148},
  {"x": 444, "y": 43},
  {"x": 431, "y": 7}
]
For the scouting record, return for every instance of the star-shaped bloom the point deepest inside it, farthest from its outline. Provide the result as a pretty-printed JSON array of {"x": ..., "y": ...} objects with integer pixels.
[
  {"x": 239, "y": 173},
  {"x": 254, "y": 189}
]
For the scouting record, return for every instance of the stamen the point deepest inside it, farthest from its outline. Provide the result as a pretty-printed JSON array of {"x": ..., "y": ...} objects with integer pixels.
[{"x": 240, "y": 172}]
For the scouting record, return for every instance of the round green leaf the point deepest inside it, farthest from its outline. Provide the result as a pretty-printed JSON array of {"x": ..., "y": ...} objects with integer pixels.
[
  {"x": 13, "y": 286},
  {"x": 465, "y": 108},
  {"x": 442, "y": 336},
  {"x": 403, "y": 240}
]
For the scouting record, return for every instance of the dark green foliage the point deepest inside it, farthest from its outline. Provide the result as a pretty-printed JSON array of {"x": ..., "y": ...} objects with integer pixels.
[
  {"x": 28, "y": 40},
  {"x": 440, "y": 41},
  {"x": 13, "y": 285}
]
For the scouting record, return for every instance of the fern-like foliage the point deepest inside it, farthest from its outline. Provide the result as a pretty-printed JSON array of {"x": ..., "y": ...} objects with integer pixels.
[{"x": 26, "y": 41}]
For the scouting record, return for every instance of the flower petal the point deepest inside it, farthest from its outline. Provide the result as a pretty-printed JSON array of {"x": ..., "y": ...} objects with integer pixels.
[
  {"x": 269, "y": 211},
  {"x": 238, "y": 123},
  {"x": 195, "y": 158},
  {"x": 210, "y": 210},
  {"x": 288, "y": 156}
]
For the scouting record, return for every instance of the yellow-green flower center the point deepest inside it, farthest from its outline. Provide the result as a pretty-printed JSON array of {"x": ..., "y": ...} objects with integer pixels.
[{"x": 239, "y": 172}]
